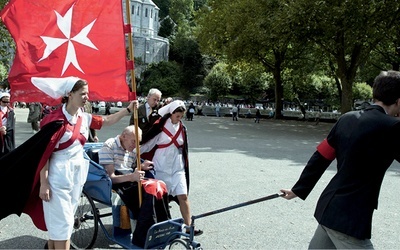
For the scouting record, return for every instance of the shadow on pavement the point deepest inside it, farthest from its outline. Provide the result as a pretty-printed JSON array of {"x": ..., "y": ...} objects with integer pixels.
[{"x": 23, "y": 242}]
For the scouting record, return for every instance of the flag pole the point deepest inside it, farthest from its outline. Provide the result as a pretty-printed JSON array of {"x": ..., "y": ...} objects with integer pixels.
[{"x": 133, "y": 85}]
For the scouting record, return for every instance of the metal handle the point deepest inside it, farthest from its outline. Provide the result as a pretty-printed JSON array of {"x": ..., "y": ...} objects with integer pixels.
[{"x": 269, "y": 197}]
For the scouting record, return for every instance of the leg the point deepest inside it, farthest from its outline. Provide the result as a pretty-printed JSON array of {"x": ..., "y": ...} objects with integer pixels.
[
  {"x": 61, "y": 244},
  {"x": 344, "y": 241},
  {"x": 321, "y": 240},
  {"x": 185, "y": 208}
]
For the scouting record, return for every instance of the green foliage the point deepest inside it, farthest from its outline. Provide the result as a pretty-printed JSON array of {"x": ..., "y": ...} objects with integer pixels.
[
  {"x": 362, "y": 91},
  {"x": 167, "y": 28},
  {"x": 7, "y": 46},
  {"x": 249, "y": 81},
  {"x": 218, "y": 81},
  {"x": 185, "y": 51},
  {"x": 164, "y": 6},
  {"x": 250, "y": 30},
  {"x": 166, "y": 76},
  {"x": 346, "y": 31},
  {"x": 3, "y": 72},
  {"x": 181, "y": 11}
]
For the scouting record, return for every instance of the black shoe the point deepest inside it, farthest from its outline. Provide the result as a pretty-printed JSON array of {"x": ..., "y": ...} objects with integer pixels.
[{"x": 197, "y": 232}]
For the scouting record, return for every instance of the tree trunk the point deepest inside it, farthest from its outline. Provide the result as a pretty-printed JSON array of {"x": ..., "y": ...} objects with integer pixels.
[
  {"x": 278, "y": 93},
  {"x": 347, "y": 95}
]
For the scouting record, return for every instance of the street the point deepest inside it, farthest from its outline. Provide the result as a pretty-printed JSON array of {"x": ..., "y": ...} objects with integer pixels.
[{"x": 232, "y": 162}]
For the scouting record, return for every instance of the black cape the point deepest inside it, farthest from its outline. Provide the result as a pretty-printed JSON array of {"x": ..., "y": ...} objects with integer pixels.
[{"x": 23, "y": 162}]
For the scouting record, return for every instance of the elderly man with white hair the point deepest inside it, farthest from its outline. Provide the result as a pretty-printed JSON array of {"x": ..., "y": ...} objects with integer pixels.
[
  {"x": 7, "y": 124},
  {"x": 148, "y": 112}
]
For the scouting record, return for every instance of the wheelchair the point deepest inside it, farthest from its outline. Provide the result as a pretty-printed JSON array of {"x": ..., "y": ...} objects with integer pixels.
[{"x": 97, "y": 191}]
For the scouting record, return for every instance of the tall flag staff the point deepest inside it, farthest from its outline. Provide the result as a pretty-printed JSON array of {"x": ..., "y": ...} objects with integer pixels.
[{"x": 128, "y": 30}]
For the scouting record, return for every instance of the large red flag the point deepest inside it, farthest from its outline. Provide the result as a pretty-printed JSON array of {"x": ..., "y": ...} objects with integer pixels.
[{"x": 56, "y": 39}]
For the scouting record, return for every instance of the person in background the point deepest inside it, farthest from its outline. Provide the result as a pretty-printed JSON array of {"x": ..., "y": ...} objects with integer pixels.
[
  {"x": 218, "y": 110},
  {"x": 148, "y": 112},
  {"x": 108, "y": 108},
  {"x": 234, "y": 111},
  {"x": 318, "y": 116},
  {"x": 35, "y": 115},
  {"x": 7, "y": 124},
  {"x": 190, "y": 112},
  {"x": 168, "y": 138},
  {"x": 258, "y": 115},
  {"x": 92, "y": 132},
  {"x": 364, "y": 144},
  {"x": 167, "y": 101}
]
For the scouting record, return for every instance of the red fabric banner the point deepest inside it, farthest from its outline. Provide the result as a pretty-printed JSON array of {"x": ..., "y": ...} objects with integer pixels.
[{"x": 56, "y": 39}]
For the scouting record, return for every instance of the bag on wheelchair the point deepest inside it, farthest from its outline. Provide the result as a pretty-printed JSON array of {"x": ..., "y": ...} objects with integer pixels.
[{"x": 154, "y": 207}]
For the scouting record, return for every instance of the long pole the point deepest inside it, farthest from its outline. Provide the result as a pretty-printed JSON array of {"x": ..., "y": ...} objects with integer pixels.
[{"x": 133, "y": 84}]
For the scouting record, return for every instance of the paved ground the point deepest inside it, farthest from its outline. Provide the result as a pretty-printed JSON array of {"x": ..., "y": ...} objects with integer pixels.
[{"x": 233, "y": 162}]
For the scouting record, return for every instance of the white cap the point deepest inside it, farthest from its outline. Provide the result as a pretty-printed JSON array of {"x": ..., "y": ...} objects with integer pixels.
[
  {"x": 170, "y": 108},
  {"x": 3, "y": 94},
  {"x": 55, "y": 87}
]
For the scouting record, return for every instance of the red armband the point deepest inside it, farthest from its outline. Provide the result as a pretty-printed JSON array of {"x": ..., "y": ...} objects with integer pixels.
[
  {"x": 326, "y": 150},
  {"x": 97, "y": 122}
]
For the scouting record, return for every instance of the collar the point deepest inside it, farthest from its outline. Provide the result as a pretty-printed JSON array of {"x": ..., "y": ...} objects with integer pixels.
[
  {"x": 118, "y": 141},
  {"x": 71, "y": 119},
  {"x": 4, "y": 109},
  {"x": 378, "y": 107},
  {"x": 147, "y": 105}
]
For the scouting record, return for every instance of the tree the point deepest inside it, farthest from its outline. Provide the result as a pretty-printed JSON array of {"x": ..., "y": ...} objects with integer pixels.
[
  {"x": 165, "y": 76},
  {"x": 362, "y": 91},
  {"x": 346, "y": 31},
  {"x": 164, "y": 7},
  {"x": 250, "y": 80},
  {"x": 185, "y": 51},
  {"x": 250, "y": 30},
  {"x": 7, "y": 46},
  {"x": 218, "y": 81}
]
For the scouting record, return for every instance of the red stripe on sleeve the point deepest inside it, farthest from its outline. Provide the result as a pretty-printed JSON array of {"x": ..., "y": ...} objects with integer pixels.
[
  {"x": 326, "y": 150},
  {"x": 97, "y": 122}
]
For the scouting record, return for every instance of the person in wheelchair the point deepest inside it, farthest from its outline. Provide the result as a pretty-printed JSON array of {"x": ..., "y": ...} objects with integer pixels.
[{"x": 118, "y": 156}]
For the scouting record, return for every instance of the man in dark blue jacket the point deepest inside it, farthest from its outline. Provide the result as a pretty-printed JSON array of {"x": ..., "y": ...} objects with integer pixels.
[{"x": 364, "y": 143}]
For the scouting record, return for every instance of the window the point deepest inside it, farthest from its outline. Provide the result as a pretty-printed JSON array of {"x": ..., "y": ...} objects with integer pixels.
[
  {"x": 146, "y": 12},
  {"x": 133, "y": 10},
  {"x": 151, "y": 13},
  {"x": 138, "y": 10}
]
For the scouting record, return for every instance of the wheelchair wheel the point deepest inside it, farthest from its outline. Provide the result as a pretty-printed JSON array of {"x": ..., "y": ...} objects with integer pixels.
[
  {"x": 86, "y": 224},
  {"x": 180, "y": 244}
]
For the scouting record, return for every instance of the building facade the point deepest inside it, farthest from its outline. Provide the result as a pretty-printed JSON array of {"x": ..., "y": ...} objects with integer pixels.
[{"x": 145, "y": 22}]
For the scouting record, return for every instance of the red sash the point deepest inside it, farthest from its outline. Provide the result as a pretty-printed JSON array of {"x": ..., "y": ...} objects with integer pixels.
[
  {"x": 2, "y": 115},
  {"x": 173, "y": 138},
  {"x": 75, "y": 134}
]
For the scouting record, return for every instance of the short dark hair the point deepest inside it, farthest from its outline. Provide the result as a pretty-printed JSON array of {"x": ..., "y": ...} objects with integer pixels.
[{"x": 386, "y": 87}]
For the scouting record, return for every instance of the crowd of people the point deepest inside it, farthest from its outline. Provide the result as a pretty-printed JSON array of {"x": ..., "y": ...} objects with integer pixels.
[{"x": 363, "y": 143}]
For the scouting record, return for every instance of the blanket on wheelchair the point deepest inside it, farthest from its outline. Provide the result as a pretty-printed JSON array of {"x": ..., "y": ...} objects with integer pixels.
[
  {"x": 154, "y": 206},
  {"x": 27, "y": 160}
]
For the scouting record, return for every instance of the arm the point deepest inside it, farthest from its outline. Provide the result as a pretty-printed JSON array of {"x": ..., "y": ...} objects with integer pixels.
[
  {"x": 44, "y": 192},
  {"x": 132, "y": 177},
  {"x": 114, "y": 118},
  {"x": 313, "y": 171},
  {"x": 149, "y": 145}
]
